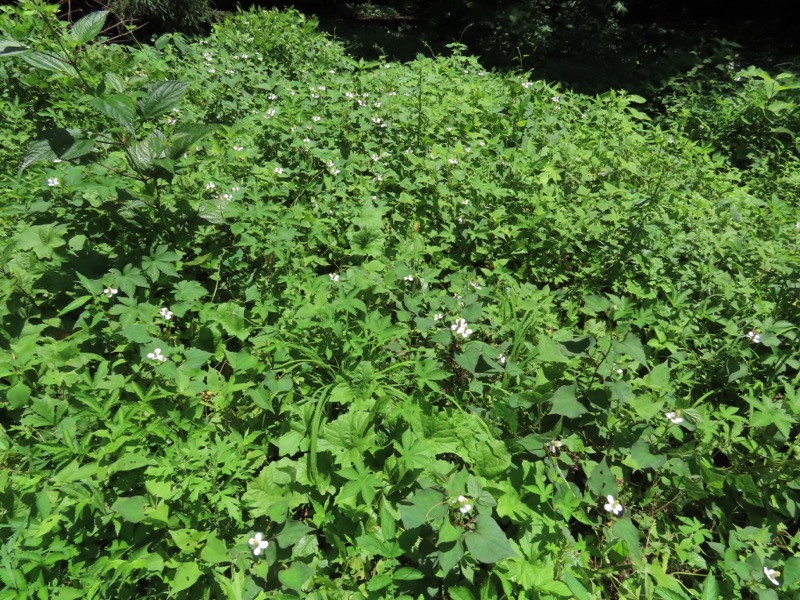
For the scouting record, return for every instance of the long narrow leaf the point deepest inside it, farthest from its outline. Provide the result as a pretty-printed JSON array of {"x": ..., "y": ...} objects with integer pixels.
[{"x": 89, "y": 27}]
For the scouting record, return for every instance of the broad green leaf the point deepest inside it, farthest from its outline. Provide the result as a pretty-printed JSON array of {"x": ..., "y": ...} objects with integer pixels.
[
  {"x": 89, "y": 27},
  {"x": 601, "y": 480},
  {"x": 143, "y": 155},
  {"x": 130, "y": 508},
  {"x": 76, "y": 303},
  {"x": 185, "y": 577},
  {"x": 215, "y": 551},
  {"x": 576, "y": 587},
  {"x": 624, "y": 529},
  {"x": 49, "y": 61},
  {"x": 487, "y": 543},
  {"x": 296, "y": 576},
  {"x": 460, "y": 593},
  {"x": 550, "y": 351},
  {"x": 407, "y": 574},
  {"x": 63, "y": 144},
  {"x": 185, "y": 136},
  {"x": 188, "y": 540},
  {"x": 422, "y": 507},
  {"x": 75, "y": 472},
  {"x": 791, "y": 571},
  {"x": 117, "y": 106},
  {"x": 565, "y": 402},
  {"x": 449, "y": 555},
  {"x": 11, "y": 47},
  {"x": 18, "y": 395},
  {"x": 162, "y": 97},
  {"x": 710, "y": 588},
  {"x": 641, "y": 457},
  {"x": 491, "y": 456},
  {"x": 130, "y": 462},
  {"x": 291, "y": 533}
]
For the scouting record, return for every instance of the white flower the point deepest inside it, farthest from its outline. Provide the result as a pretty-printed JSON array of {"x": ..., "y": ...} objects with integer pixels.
[
  {"x": 278, "y": 170},
  {"x": 409, "y": 278},
  {"x": 210, "y": 185},
  {"x": 53, "y": 181},
  {"x": 376, "y": 120},
  {"x": 258, "y": 543},
  {"x": 438, "y": 317},
  {"x": 156, "y": 355},
  {"x": 272, "y": 97},
  {"x": 235, "y": 188},
  {"x": 334, "y": 276},
  {"x": 245, "y": 56},
  {"x": 674, "y": 417},
  {"x": 461, "y": 329},
  {"x": 465, "y": 505},
  {"x": 613, "y": 506},
  {"x": 238, "y": 148},
  {"x": 166, "y": 313},
  {"x": 109, "y": 291},
  {"x": 226, "y": 197},
  {"x": 171, "y": 121},
  {"x": 554, "y": 446},
  {"x": 754, "y": 337},
  {"x": 526, "y": 84},
  {"x": 772, "y": 575},
  {"x": 376, "y": 158},
  {"x": 58, "y": 160},
  {"x": 306, "y": 140},
  {"x": 556, "y": 99},
  {"x": 212, "y": 70},
  {"x": 316, "y": 119},
  {"x": 453, "y": 161},
  {"x": 501, "y": 358},
  {"x": 465, "y": 509},
  {"x": 475, "y": 285}
]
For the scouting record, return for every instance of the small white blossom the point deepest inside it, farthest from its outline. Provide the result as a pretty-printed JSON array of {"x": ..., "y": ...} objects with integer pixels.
[
  {"x": 772, "y": 575},
  {"x": 238, "y": 148},
  {"x": 754, "y": 337},
  {"x": 334, "y": 276},
  {"x": 166, "y": 313},
  {"x": 212, "y": 70},
  {"x": 613, "y": 506},
  {"x": 58, "y": 160},
  {"x": 226, "y": 197},
  {"x": 465, "y": 508},
  {"x": 438, "y": 317},
  {"x": 272, "y": 97},
  {"x": 279, "y": 170},
  {"x": 461, "y": 328},
  {"x": 316, "y": 119},
  {"x": 245, "y": 56},
  {"x": 554, "y": 446},
  {"x": 258, "y": 543},
  {"x": 527, "y": 84},
  {"x": 210, "y": 185},
  {"x": 674, "y": 417},
  {"x": 475, "y": 285},
  {"x": 235, "y": 188},
  {"x": 556, "y": 99},
  {"x": 465, "y": 505},
  {"x": 269, "y": 114},
  {"x": 171, "y": 121},
  {"x": 501, "y": 358},
  {"x": 409, "y": 278},
  {"x": 53, "y": 181},
  {"x": 156, "y": 355},
  {"x": 376, "y": 120},
  {"x": 109, "y": 291},
  {"x": 453, "y": 161}
]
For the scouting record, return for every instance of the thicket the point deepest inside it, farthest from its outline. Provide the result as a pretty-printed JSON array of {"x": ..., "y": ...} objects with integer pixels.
[{"x": 281, "y": 323}]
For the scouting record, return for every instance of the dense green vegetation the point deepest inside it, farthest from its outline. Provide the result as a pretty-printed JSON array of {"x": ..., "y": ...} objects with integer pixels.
[{"x": 277, "y": 322}]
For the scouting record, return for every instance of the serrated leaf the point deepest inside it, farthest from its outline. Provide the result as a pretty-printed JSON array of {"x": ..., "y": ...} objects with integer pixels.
[
  {"x": 162, "y": 98},
  {"x": 11, "y": 47},
  {"x": 624, "y": 529},
  {"x": 18, "y": 395},
  {"x": 117, "y": 106},
  {"x": 64, "y": 144},
  {"x": 710, "y": 588},
  {"x": 143, "y": 155},
  {"x": 185, "y": 136},
  {"x": 89, "y": 27},
  {"x": 565, "y": 402},
  {"x": 49, "y": 62},
  {"x": 488, "y": 543}
]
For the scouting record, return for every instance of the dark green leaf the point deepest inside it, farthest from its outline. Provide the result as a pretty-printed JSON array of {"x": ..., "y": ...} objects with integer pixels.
[
  {"x": 185, "y": 577},
  {"x": 291, "y": 533},
  {"x": 11, "y": 47},
  {"x": 565, "y": 403},
  {"x": 89, "y": 27},
  {"x": 296, "y": 576},
  {"x": 424, "y": 506},
  {"x": 49, "y": 62},
  {"x": 185, "y": 136},
  {"x": 488, "y": 543},
  {"x": 162, "y": 98},
  {"x": 118, "y": 106},
  {"x": 18, "y": 395}
]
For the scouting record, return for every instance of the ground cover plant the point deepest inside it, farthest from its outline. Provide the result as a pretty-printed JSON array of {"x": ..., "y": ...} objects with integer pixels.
[{"x": 281, "y": 323}]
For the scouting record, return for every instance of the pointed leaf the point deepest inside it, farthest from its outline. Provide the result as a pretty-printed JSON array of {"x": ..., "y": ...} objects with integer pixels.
[
  {"x": 64, "y": 144},
  {"x": 89, "y": 27},
  {"x": 185, "y": 577},
  {"x": 49, "y": 62},
  {"x": 185, "y": 136},
  {"x": 118, "y": 106},
  {"x": 162, "y": 98},
  {"x": 11, "y": 47},
  {"x": 565, "y": 403},
  {"x": 488, "y": 543},
  {"x": 710, "y": 588}
]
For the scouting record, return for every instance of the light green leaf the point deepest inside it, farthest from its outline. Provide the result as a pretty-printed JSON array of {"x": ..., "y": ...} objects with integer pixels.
[
  {"x": 296, "y": 576},
  {"x": 460, "y": 593},
  {"x": 185, "y": 577},
  {"x": 185, "y": 136},
  {"x": 49, "y": 62},
  {"x": 565, "y": 402},
  {"x": 487, "y": 543},
  {"x": 89, "y": 27},
  {"x": 291, "y": 533},
  {"x": 130, "y": 508},
  {"x": 624, "y": 529},
  {"x": 162, "y": 98},
  {"x": 424, "y": 506},
  {"x": 18, "y": 395},
  {"x": 11, "y": 47},
  {"x": 215, "y": 551},
  {"x": 710, "y": 588}
]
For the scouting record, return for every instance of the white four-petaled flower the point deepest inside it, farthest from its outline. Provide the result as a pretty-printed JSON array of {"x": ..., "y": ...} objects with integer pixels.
[
  {"x": 612, "y": 505},
  {"x": 109, "y": 291},
  {"x": 258, "y": 543},
  {"x": 674, "y": 417},
  {"x": 438, "y": 317},
  {"x": 53, "y": 181},
  {"x": 461, "y": 328},
  {"x": 156, "y": 355},
  {"x": 166, "y": 313},
  {"x": 554, "y": 446},
  {"x": 409, "y": 278},
  {"x": 334, "y": 276},
  {"x": 754, "y": 337},
  {"x": 772, "y": 575},
  {"x": 501, "y": 358}
]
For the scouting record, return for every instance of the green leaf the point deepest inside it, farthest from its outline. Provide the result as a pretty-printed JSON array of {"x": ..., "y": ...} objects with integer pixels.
[
  {"x": 710, "y": 588},
  {"x": 11, "y": 47},
  {"x": 186, "y": 136},
  {"x": 187, "y": 539},
  {"x": 89, "y": 27},
  {"x": 185, "y": 577},
  {"x": 791, "y": 571},
  {"x": 130, "y": 508},
  {"x": 460, "y": 593},
  {"x": 296, "y": 576},
  {"x": 601, "y": 480},
  {"x": 487, "y": 543},
  {"x": 18, "y": 395},
  {"x": 48, "y": 61},
  {"x": 215, "y": 551},
  {"x": 162, "y": 97},
  {"x": 407, "y": 574},
  {"x": 76, "y": 303},
  {"x": 143, "y": 155},
  {"x": 64, "y": 144},
  {"x": 424, "y": 506},
  {"x": 117, "y": 106},
  {"x": 641, "y": 458},
  {"x": 624, "y": 529},
  {"x": 565, "y": 402},
  {"x": 291, "y": 533},
  {"x": 75, "y": 472},
  {"x": 576, "y": 587}
]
